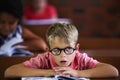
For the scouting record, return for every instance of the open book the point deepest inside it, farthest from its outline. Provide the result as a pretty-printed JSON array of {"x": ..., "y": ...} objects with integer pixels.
[
  {"x": 56, "y": 77},
  {"x": 8, "y": 49}
]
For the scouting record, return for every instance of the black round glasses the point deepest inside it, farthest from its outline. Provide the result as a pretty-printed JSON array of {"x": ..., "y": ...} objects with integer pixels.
[{"x": 67, "y": 50}]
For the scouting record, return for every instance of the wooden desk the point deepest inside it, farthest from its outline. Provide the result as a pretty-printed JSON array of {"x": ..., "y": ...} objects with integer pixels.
[
  {"x": 5, "y": 62},
  {"x": 107, "y": 56},
  {"x": 40, "y": 30},
  {"x": 116, "y": 78}
]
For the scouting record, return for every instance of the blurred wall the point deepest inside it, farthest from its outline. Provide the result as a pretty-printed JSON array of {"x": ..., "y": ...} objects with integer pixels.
[{"x": 93, "y": 18}]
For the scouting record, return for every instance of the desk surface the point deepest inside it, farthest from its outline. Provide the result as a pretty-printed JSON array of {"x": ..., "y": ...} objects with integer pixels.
[{"x": 116, "y": 78}]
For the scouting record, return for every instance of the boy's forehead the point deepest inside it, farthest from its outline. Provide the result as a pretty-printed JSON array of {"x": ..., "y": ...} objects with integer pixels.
[{"x": 60, "y": 42}]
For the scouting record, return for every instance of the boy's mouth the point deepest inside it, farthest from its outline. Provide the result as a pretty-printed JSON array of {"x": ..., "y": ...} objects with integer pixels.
[{"x": 63, "y": 62}]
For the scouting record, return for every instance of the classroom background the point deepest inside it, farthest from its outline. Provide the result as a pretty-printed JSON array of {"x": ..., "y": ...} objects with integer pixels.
[{"x": 93, "y": 18}]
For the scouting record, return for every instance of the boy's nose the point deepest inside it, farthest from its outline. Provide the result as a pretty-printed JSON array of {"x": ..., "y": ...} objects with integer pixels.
[{"x": 63, "y": 53}]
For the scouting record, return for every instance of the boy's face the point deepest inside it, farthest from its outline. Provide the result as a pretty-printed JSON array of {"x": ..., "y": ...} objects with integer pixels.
[
  {"x": 7, "y": 23},
  {"x": 62, "y": 59}
]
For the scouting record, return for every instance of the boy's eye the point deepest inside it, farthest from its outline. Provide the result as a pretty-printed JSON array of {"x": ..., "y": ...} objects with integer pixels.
[
  {"x": 69, "y": 50},
  {"x": 55, "y": 51}
]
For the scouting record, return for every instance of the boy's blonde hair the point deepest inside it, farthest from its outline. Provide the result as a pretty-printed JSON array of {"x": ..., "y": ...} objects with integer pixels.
[{"x": 66, "y": 31}]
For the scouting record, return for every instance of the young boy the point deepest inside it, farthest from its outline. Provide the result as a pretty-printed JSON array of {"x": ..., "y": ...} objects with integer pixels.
[
  {"x": 12, "y": 34},
  {"x": 63, "y": 57}
]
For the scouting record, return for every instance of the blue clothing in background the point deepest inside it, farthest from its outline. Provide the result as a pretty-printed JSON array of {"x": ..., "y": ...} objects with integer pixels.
[{"x": 8, "y": 47}]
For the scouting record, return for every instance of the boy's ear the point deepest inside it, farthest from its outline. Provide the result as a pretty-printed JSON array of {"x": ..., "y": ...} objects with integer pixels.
[
  {"x": 77, "y": 46},
  {"x": 47, "y": 49}
]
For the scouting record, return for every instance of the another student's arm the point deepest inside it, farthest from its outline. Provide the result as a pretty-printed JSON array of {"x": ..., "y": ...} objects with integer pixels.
[
  {"x": 32, "y": 41},
  {"x": 19, "y": 70}
]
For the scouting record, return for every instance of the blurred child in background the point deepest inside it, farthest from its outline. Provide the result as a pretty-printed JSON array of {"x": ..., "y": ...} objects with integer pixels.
[
  {"x": 15, "y": 39},
  {"x": 39, "y": 9}
]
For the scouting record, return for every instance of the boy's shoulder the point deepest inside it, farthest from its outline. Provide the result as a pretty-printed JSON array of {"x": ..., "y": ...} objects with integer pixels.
[
  {"x": 43, "y": 55},
  {"x": 81, "y": 53}
]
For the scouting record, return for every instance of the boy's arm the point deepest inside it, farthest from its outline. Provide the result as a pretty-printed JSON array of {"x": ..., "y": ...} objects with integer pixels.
[
  {"x": 101, "y": 70},
  {"x": 19, "y": 70}
]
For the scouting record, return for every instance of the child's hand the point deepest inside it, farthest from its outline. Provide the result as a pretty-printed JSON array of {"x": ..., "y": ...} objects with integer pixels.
[{"x": 65, "y": 71}]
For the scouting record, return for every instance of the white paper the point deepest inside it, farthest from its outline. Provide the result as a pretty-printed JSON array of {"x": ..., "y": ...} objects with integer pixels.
[
  {"x": 7, "y": 49},
  {"x": 53, "y": 78}
]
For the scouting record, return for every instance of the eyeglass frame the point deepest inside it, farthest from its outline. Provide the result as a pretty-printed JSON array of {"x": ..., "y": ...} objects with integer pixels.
[{"x": 64, "y": 49}]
